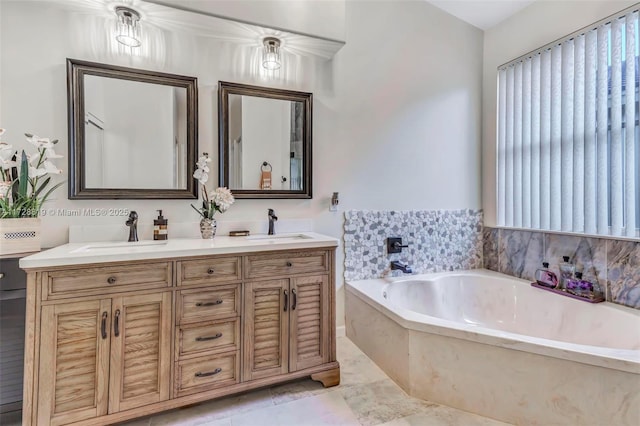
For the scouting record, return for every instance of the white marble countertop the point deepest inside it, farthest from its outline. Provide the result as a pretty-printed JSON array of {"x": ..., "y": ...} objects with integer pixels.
[{"x": 102, "y": 252}]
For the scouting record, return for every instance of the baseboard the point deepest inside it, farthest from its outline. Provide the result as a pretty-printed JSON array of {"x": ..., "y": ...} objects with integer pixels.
[{"x": 341, "y": 331}]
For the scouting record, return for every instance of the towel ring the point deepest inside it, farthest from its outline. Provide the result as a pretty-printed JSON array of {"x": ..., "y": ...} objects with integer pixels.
[{"x": 265, "y": 164}]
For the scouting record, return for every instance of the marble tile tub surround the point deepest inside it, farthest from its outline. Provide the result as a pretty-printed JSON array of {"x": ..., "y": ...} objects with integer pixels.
[
  {"x": 614, "y": 264},
  {"x": 439, "y": 240}
]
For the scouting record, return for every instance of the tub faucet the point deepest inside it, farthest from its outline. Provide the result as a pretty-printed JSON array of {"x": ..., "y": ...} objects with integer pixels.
[
  {"x": 272, "y": 219},
  {"x": 400, "y": 266},
  {"x": 132, "y": 223}
]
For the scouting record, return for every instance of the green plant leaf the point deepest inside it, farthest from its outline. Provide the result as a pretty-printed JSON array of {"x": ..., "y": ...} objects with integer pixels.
[
  {"x": 44, "y": 184},
  {"x": 24, "y": 176}
]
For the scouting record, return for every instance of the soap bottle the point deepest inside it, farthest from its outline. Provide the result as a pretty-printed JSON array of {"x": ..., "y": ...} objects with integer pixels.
[
  {"x": 160, "y": 231},
  {"x": 579, "y": 287},
  {"x": 545, "y": 277},
  {"x": 566, "y": 272}
]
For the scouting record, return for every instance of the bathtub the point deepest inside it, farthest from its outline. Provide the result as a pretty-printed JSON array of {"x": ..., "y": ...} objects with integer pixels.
[{"x": 493, "y": 345}]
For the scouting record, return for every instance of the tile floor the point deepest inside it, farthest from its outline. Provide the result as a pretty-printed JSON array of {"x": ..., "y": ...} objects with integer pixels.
[{"x": 365, "y": 396}]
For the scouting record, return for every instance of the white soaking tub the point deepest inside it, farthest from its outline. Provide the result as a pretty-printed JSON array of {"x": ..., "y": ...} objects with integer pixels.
[{"x": 493, "y": 345}]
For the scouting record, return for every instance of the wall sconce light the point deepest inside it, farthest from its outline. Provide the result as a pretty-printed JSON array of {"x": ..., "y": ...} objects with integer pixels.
[
  {"x": 271, "y": 53},
  {"x": 128, "y": 29}
]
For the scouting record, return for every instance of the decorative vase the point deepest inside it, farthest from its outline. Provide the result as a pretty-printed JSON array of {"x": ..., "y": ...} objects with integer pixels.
[{"x": 208, "y": 228}]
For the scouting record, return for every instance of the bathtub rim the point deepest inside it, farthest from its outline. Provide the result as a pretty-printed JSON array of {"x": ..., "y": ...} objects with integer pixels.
[{"x": 371, "y": 292}]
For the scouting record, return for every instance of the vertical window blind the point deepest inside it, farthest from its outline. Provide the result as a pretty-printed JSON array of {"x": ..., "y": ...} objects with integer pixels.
[{"x": 568, "y": 135}]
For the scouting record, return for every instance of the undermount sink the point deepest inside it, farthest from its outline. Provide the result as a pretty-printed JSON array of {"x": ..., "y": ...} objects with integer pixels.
[
  {"x": 281, "y": 237},
  {"x": 123, "y": 246}
]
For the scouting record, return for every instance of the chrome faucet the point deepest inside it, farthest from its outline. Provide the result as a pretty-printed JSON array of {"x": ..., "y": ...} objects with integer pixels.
[
  {"x": 400, "y": 266},
  {"x": 132, "y": 223},
  {"x": 272, "y": 218}
]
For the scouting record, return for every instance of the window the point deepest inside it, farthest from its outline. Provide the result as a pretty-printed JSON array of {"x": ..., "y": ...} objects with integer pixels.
[{"x": 568, "y": 134}]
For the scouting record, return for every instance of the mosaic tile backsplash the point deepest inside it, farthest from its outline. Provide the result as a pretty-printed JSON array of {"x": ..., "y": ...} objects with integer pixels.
[
  {"x": 614, "y": 264},
  {"x": 439, "y": 240}
]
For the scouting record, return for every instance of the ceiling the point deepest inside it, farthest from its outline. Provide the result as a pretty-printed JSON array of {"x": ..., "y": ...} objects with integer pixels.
[{"x": 483, "y": 14}]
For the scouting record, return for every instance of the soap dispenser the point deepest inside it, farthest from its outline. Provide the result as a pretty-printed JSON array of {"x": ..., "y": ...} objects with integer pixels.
[
  {"x": 566, "y": 272},
  {"x": 160, "y": 231},
  {"x": 545, "y": 277}
]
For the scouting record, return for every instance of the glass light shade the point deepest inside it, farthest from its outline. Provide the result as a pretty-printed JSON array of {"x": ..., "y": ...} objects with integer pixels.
[
  {"x": 128, "y": 29},
  {"x": 271, "y": 54}
]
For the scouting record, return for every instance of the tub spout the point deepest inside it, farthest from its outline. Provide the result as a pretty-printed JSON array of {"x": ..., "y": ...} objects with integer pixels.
[{"x": 400, "y": 266}]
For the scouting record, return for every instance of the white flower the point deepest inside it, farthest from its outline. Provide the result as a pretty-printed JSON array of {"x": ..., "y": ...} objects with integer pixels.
[
  {"x": 202, "y": 171},
  {"x": 34, "y": 173},
  {"x": 6, "y": 154},
  {"x": 201, "y": 175},
  {"x": 202, "y": 162},
  {"x": 222, "y": 198},
  {"x": 40, "y": 142},
  {"x": 51, "y": 153}
]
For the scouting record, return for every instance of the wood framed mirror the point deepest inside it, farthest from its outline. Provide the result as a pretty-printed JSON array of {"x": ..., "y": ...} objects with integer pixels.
[
  {"x": 132, "y": 133},
  {"x": 264, "y": 139}
]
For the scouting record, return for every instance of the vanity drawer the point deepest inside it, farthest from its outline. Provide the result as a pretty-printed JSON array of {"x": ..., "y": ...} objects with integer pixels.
[
  {"x": 213, "y": 270},
  {"x": 107, "y": 279},
  {"x": 210, "y": 303},
  {"x": 213, "y": 337},
  {"x": 295, "y": 262},
  {"x": 204, "y": 373}
]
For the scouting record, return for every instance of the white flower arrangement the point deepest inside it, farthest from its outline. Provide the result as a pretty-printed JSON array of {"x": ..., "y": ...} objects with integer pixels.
[
  {"x": 20, "y": 175},
  {"x": 218, "y": 200}
]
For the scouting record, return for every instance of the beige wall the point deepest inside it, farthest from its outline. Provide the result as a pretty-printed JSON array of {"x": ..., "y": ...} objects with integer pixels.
[{"x": 533, "y": 27}]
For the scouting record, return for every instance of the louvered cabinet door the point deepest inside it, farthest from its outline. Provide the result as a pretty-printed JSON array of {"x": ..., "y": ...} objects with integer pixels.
[
  {"x": 74, "y": 362},
  {"x": 309, "y": 330},
  {"x": 140, "y": 351},
  {"x": 266, "y": 329}
]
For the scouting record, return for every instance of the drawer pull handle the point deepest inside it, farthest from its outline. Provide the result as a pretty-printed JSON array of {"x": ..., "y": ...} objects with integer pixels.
[
  {"x": 211, "y": 271},
  {"x": 289, "y": 264},
  {"x": 204, "y": 339},
  {"x": 116, "y": 323},
  {"x": 217, "y": 302},
  {"x": 103, "y": 326},
  {"x": 294, "y": 302},
  {"x": 286, "y": 300},
  {"x": 111, "y": 280},
  {"x": 210, "y": 373}
]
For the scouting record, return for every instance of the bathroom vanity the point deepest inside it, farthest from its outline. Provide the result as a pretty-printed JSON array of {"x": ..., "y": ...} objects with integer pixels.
[{"x": 117, "y": 331}]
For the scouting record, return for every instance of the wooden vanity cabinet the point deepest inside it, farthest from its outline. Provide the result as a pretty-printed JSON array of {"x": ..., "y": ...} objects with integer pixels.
[
  {"x": 102, "y": 356},
  {"x": 131, "y": 343}
]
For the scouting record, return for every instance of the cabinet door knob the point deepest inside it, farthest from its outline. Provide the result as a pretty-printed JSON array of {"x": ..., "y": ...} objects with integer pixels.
[
  {"x": 211, "y": 271},
  {"x": 210, "y": 373},
  {"x": 111, "y": 280},
  {"x": 289, "y": 264}
]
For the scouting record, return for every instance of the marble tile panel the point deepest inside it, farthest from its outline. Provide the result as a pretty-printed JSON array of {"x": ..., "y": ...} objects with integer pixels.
[
  {"x": 380, "y": 402},
  {"x": 588, "y": 254},
  {"x": 439, "y": 240},
  {"x": 490, "y": 239},
  {"x": 520, "y": 253},
  {"x": 381, "y": 338},
  {"x": 623, "y": 276}
]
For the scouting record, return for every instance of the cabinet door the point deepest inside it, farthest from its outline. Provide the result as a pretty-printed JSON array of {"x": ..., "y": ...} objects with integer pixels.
[
  {"x": 309, "y": 330},
  {"x": 74, "y": 361},
  {"x": 266, "y": 329},
  {"x": 140, "y": 351}
]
